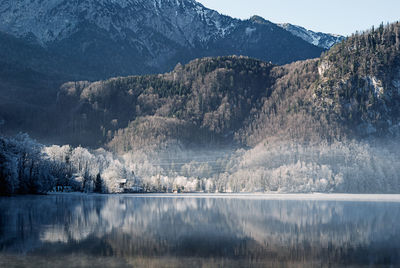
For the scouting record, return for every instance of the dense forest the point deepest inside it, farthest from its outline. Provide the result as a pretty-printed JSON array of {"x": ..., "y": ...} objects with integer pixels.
[{"x": 227, "y": 124}]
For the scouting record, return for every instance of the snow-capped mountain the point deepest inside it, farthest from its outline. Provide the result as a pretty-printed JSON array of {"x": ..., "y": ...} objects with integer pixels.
[
  {"x": 103, "y": 38},
  {"x": 317, "y": 39}
]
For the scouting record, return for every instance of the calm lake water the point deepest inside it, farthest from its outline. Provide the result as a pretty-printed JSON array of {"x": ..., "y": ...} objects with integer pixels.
[{"x": 197, "y": 231}]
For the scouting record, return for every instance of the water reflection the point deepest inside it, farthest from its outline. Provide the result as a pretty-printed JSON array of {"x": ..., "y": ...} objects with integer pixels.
[{"x": 126, "y": 231}]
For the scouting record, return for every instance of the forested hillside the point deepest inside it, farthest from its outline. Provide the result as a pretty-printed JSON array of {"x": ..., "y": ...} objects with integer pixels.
[
  {"x": 204, "y": 101},
  {"x": 352, "y": 91},
  {"x": 359, "y": 81}
]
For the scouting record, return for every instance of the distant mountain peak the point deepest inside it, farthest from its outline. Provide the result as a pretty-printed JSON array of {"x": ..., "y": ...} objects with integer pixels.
[
  {"x": 259, "y": 20},
  {"x": 318, "y": 39}
]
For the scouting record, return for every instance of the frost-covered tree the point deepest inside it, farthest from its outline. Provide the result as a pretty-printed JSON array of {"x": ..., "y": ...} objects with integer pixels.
[{"x": 23, "y": 168}]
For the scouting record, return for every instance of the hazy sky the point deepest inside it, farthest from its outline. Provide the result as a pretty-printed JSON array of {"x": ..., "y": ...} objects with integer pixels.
[{"x": 330, "y": 16}]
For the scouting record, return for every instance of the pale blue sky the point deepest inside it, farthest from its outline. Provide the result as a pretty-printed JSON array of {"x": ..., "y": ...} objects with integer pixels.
[{"x": 334, "y": 16}]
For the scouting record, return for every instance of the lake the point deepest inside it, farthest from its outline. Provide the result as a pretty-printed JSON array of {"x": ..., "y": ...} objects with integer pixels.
[{"x": 76, "y": 230}]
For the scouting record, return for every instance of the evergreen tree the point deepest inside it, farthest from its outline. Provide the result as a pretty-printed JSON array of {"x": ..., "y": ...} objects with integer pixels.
[{"x": 98, "y": 184}]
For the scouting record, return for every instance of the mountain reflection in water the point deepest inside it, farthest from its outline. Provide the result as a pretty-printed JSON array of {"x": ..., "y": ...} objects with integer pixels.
[{"x": 129, "y": 230}]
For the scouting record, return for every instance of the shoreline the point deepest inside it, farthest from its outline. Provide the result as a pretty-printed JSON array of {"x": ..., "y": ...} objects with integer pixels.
[{"x": 258, "y": 196}]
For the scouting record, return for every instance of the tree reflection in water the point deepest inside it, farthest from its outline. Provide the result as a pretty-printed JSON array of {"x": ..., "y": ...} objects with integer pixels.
[{"x": 128, "y": 230}]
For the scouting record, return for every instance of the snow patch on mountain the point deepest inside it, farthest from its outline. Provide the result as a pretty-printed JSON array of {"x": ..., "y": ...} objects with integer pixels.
[{"x": 250, "y": 30}]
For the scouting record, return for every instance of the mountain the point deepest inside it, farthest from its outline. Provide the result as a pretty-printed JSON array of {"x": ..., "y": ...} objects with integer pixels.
[
  {"x": 93, "y": 39},
  {"x": 352, "y": 91},
  {"x": 318, "y": 39}
]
